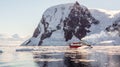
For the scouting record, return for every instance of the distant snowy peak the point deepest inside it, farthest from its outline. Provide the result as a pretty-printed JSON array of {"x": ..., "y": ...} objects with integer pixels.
[
  {"x": 68, "y": 23},
  {"x": 110, "y": 13},
  {"x": 105, "y": 17},
  {"x": 111, "y": 17}
]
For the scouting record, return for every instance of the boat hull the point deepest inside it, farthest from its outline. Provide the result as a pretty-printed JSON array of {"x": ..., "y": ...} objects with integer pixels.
[{"x": 74, "y": 46}]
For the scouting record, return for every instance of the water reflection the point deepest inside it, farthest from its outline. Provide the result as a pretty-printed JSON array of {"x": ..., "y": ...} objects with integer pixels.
[
  {"x": 114, "y": 61},
  {"x": 94, "y": 59},
  {"x": 16, "y": 60},
  {"x": 76, "y": 58},
  {"x": 51, "y": 57},
  {"x": 62, "y": 59}
]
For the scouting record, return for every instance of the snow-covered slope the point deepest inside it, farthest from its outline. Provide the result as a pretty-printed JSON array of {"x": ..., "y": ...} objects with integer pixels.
[
  {"x": 107, "y": 32},
  {"x": 66, "y": 23}
]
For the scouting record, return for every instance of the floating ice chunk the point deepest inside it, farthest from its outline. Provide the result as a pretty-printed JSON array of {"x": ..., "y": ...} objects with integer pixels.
[
  {"x": 109, "y": 41},
  {"x": 24, "y": 49}
]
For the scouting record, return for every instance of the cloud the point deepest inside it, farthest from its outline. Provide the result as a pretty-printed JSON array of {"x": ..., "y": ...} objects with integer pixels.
[{"x": 14, "y": 39}]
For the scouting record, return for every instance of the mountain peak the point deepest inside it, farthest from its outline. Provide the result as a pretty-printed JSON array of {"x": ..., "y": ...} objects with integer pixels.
[
  {"x": 63, "y": 23},
  {"x": 66, "y": 23},
  {"x": 77, "y": 3}
]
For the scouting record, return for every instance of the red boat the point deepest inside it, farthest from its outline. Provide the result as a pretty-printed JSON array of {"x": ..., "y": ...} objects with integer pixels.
[
  {"x": 75, "y": 45},
  {"x": 79, "y": 44}
]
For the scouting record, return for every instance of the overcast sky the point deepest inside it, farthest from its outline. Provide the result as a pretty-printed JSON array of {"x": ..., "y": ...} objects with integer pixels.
[{"x": 22, "y": 16}]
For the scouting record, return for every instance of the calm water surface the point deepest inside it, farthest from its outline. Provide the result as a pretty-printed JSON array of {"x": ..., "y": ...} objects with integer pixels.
[{"x": 60, "y": 56}]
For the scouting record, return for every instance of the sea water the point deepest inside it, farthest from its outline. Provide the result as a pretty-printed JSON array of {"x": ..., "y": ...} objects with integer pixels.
[{"x": 59, "y": 56}]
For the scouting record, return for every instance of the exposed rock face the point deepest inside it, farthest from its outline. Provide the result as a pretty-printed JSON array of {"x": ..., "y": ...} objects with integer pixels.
[
  {"x": 78, "y": 22},
  {"x": 36, "y": 32},
  {"x": 114, "y": 27}
]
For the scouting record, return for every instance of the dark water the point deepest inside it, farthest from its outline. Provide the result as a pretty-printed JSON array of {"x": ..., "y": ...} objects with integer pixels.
[{"x": 60, "y": 57}]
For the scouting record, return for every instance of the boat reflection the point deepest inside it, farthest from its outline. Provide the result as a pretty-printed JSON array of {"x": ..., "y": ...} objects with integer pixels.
[
  {"x": 76, "y": 59},
  {"x": 62, "y": 59}
]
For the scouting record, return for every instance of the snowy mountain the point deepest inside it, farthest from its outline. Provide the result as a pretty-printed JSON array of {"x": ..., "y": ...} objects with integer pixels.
[
  {"x": 107, "y": 32},
  {"x": 67, "y": 23}
]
